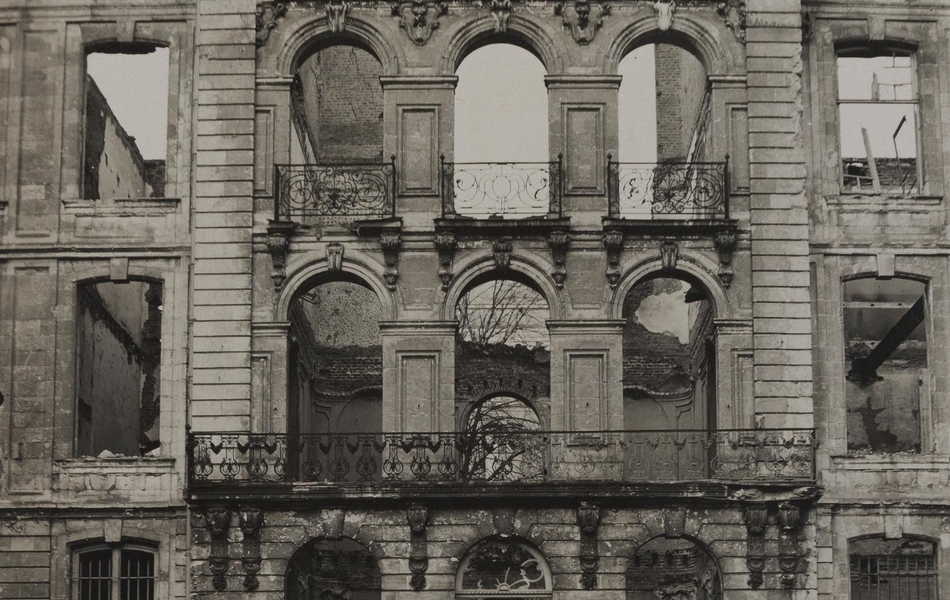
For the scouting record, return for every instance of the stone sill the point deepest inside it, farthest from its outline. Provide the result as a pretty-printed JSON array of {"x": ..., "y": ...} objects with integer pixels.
[
  {"x": 123, "y": 464},
  {"x": 136, "y": 207},
  {"x": 865, "y": 201},
  {"x": 890, "y": 462}
]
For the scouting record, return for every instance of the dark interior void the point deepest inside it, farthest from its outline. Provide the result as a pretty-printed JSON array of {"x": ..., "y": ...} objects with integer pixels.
[
  {"x": 337, "y": 107},
  {"x": 336, "y": 361},
  {"x": 119, "y": 347},
  {"x": 898, "y": 569},
  {"x": 886, "y": 358},
  {"x": 670, "y": 569},
  {"x": 668, "y": 360},
  {"x": 340, "y": 569}
]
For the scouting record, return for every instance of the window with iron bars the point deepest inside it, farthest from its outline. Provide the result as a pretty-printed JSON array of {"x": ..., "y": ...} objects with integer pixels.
[
  {"x": 901, "y": 569},
  {"x": 114, "y": 573}
]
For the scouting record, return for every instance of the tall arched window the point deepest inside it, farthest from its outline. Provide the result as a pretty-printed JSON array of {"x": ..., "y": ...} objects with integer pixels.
[{"x": 503, "y": 567}]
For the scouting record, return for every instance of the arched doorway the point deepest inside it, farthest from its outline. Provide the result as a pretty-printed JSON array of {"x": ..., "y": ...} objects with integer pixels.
[
  {"x": 340, "y": 569},
  {"x": 673, "y": 569}
]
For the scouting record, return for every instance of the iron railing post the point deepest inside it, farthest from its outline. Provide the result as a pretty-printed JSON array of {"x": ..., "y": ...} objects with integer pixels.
[
  {"x": 276, "y": 184},
  {"x": 442, "y": 182},
  {"x": 608, "y": 186},
  {"x": 560, "y": 185},
  {"x": 727, "y": 185},
  {"x": 395, "y": 192}
]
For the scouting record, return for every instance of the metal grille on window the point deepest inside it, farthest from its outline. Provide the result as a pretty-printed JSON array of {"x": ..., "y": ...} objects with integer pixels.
[
  {"x": 902, "y": 569},
  {"x": 95, "y": 575},
  {"x": 137, "y": 577},
  {"x": 119, "y": 573}
]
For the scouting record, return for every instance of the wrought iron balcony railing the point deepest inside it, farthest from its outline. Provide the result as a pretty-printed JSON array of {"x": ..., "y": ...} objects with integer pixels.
[
  {"x": 337, "y": 192},
  {"x": 733, "y": 456},
  {"x": 501, "y": 190},
  {"x": 668, "y": 190}
]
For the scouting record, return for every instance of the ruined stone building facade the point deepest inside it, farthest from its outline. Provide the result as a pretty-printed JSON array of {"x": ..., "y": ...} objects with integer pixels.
[{"x": 310, "y": 348}]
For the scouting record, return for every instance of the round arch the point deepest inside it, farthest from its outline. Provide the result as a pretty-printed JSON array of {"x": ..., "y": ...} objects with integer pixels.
[
  {"x": 298, "y": 41},
  {"x": 313, "y": 273},
  {"x": 522, "y": 31},
  {"x": 500, "y": 566},
  {"x": 333, "y": 569},
  {"x": 483, "y": 267},
  {"x": 481, "y": 397},
  {"x": 698, "y": 36},
  {"x": 689, "y": 268},
  {"x": 668, "y": 568}
]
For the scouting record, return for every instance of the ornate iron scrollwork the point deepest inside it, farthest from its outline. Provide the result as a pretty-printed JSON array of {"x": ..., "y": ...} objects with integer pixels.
[
  {"x": 583, "y": 20},
  {"x": 419, "y": 18},
  {"x": 501, "y": 190},
  {"x": 690, "y": 190},
  {"x": 335, "y": 191}
]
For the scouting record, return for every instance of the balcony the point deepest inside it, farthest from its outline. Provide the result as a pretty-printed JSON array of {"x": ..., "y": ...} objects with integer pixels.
[
  {"x": 523, "y": 462},
  {"x": 499, "y": 190},
  {"x": 338, "y": 192}
]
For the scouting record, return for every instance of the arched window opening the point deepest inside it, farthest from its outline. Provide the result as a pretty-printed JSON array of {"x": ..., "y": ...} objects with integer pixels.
[
  {"x": 340, "y": 569},
  {"x": 897, "y": 569},
  {"x": 336, "y": 373},
  {"x": 665, "y": 169},
  {"x": 500, "y": 441},
  {"x": 887, "y": 384},
  {"x": 118, "y": 354},
  {"x": 670, "y": 569},
  {"x": 125, "y": 571},
  {"x": 125, "y": 139},
  {"x": 503, "y": 567},
  {"x": 502, "y": 165}
]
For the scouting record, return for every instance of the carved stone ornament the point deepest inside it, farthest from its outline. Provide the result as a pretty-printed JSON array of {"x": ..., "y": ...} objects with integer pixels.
[
  {"x": 583, "y": 19},
  {"x": 418, "y": 518},
  {"x": 267, "y": 18},
  {"x": 218, "y": 521},
  {"x": 250, "y": 521},
  {"x": 756, "y": 519},
  {"x": 790, "y": 520},
  {"x": 669, "y": 254},
  {"x": 445, "y": 243},
  {"x": 278, "y": 244},
  {"x": 336, "y": 15},
  {"x": 559, "y": 241},
  {"x": 664, "y": 14},
  {"x": 789, "y": 516},
  {"x": 676, "y": 591},
  {"x": 788, "y": 563},
  {"x": 588, "y": 520},
  {"x": 613, "y": 242},
  {"x": 419, "y": 18},
  {"x": 335, "y": 257},
  {"x": 756, "y": 565},
  {"x": 726, "y": 242},
  {"x": 390, "y": 241},
  {"x": 501, "y": 10},
  {"x": 501, "y": 249},
  {"x": 733, "y": 14}
]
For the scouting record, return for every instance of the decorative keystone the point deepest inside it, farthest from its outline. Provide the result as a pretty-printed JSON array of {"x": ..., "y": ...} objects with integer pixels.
[
  {"x": 267, "y": 18},
  {"x": 613, "y": 242},
  {"x": 588, "y": 521},
  {"x": 501, "y": 10},
  {"x": 278, "y": 244},
  {"x": 664, "y": 14},
  {"x": 336, "y": 15},
  {"x": 732, "y": 13},
  {"x": 418, "y": 519},
  {"x": 419, "y": 18},
  {"x": 501, "y": 249},
  {"x": 445, "y": 243},
  {"x": 669, "y": 254},
  {"x": 726, "y": 242},
  {"x": 250, "y": 520},
  {"x": 218, "y": 521},
  {"x": 559, "y": 242},
  {"x": 583, "y": 20},
  {"x": 335, "y": 257},
  {"x": 390, "y": 241}
]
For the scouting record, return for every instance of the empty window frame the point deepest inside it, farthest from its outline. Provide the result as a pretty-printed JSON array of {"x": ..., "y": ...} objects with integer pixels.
[
  {"x": 879, "y": 122},
  {"x": 125, "y": 127},
  {"x": 121, "y": 572},
  {"x": 901, "y": 569},
  {"x": 885, "y": 335}
]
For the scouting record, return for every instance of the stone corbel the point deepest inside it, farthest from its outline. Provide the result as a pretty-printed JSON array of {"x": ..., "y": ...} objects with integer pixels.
[
  {"x": 445, "y": 244},
  {"x": 790, "y": 521},
  {"x": 335, "y": 257},
  {"x": 336, "y": 15},
  {"x": 665, "y": 10},
  {"x": 278, "y": 244},
  {"x": 613, "y": 242},
  {"x": 501, "y": 250},
  {"x": 732, "y": 13},
  {"x": 267, "y": 18},
  {"x": 218, "y": 521},
  {"x": 582, "y": 19},
  {"x": 756, "y": 522},
  {"x": 418, "y": 519},
  {"x": 726, "y": 242},
  {"x": 669, "y": 254},
  {"x": 250, "y": 521},
  {"x": 390, "y": 242},
  {"x": 501, "y": 10},
  {"x": 419, "y": 18},
  {"x": 588, "y": 520},
  {"x": 559, "y": 241}
]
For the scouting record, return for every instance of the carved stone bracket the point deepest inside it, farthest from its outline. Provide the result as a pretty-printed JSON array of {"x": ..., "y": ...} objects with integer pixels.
[
  {"x": 665, "y": 10},
  {"x": 613, "y": 242},
  {"x": 756, "y": 522},
  {"x": 445, "y": 243},
  {"x": 335, "y": 257},
  {"x": 390, "y": 241},
  {"x": 419, "y": 18},
  {"x": 790, "y": 522},
  {"x": 501, "y": 10},
  {"x": 267, "y": 18},
  {"x": 218, "y": 521},
  {"x": 733, "y": 14},
  {"x": 726, "y": 242},
  {"x": 669, "y": 254},
  {"x": 250, "y": 521},
  {"x": 583, "y": 20},
  {"x": 559, "y": 241},
  {"x": 418, "y": 519},
  {"x": 501, "y": 250},
  {"x": 278, "y": 243},
  {"x": 336, "y": 15},
  {"x": 588, "y": 520}
]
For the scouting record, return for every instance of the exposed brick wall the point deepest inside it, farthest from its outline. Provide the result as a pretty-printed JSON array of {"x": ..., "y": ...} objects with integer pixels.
[{"x": 680, "y": 89}]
